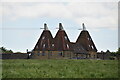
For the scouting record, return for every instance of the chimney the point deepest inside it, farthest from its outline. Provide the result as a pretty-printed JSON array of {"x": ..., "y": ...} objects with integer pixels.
[
  {"x": 60, "y": 26},
  {"x": 45, "y": 26}
]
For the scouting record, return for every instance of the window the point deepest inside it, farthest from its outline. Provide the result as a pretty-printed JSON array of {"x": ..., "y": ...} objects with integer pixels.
[
  {"x": 65, "y": 37},
  {"x": 89, "y": 45},
  {"x": 53, "y": 45},
  {"x": 29, "y": 54},
  {"x": 88, "y": 38},
  {"x": 43, "y": 45},
  {"x": 67, "y": 46},
  {"x": 92, "y": 47},
  {"x": 43, "y": 37}
]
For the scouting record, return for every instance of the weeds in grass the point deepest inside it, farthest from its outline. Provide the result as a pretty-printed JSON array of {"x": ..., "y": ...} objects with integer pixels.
[{"x": 60, "y": 69}]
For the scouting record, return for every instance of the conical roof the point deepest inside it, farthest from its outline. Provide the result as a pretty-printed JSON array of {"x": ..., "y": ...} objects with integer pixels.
[
  {"x": 61, "y": 40},
  {"x": 77, "y": 48},
  {"x": 45, "y": 41},
  {"x": 85, "y": 41}
]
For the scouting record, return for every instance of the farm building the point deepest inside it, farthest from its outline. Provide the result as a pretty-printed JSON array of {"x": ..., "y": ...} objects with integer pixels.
[
  {"x": 85, "y": 44},
  {"x": 60, "y": 46}
]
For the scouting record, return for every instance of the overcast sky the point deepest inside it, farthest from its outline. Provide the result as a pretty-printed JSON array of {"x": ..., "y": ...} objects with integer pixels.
[{"x": 21, "y": 22}]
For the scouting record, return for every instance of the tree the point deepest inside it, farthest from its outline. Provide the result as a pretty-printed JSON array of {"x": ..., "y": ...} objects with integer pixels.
[
  {"x": 4, "y": 50},
  {"x": 118, "y": 52},
  {"x": 108, "y": 51}
]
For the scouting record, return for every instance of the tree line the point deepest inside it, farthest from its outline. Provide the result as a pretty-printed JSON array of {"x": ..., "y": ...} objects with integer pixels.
[{"x": 4, "y": 50}]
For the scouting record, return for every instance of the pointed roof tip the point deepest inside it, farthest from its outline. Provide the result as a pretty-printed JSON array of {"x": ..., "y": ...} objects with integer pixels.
[
  {"x": 84, "y": 28},
  {"x": 45, "y": 26},
  {"x": 60, "y": 26}
]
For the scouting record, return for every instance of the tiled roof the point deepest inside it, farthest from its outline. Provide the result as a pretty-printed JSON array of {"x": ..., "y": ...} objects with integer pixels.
[
  {"x": 61, "y": 41},
  {"x": 86, "y": 41},
  {"x": 45, "y": 41}
]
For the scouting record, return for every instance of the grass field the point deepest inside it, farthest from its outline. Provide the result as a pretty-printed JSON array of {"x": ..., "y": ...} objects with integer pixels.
[{"x": 59, "y": 68}]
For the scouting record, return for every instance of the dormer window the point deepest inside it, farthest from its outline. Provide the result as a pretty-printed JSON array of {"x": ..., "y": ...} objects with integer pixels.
[
  {"x": 89, "y": 45},
  {"x": 88, "y": 38},
  {"x": 53, "y": 45},
  {"x": 67, "y": 46},
  {"x": 92, "y": 47},
  {"x": 43, "y": 37},
  {"x": 65, "y": 37},
  {"x": 43, "y": 45}
]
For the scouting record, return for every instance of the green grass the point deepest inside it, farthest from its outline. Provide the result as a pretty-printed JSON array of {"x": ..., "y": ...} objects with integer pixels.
[{"x": 59, "y": 68}]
